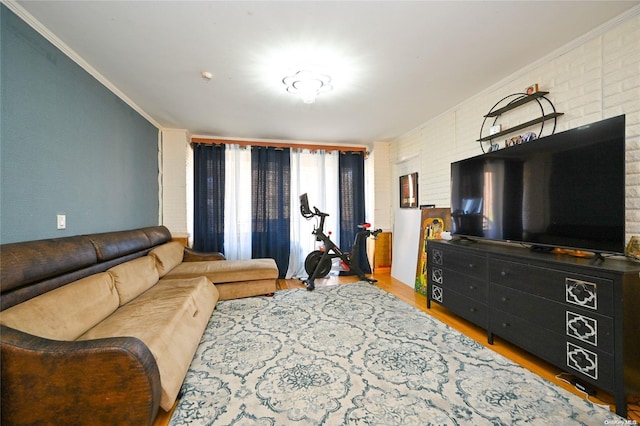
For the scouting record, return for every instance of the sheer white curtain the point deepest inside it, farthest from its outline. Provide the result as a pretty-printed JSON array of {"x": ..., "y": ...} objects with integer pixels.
[
  {"x": 314, "y": 173},
  {"x": 237, "y": 203}
]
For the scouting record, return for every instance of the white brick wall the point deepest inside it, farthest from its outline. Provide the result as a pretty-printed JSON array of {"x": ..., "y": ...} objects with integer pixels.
[
  {"x": 175, "y": 190},
  {"x": 621, "y": 95},
  {"x": 592, "y": 80},
  {"x": 381, "y": 217}
]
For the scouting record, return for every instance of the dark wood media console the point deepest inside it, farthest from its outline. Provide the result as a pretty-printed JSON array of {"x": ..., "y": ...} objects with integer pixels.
[{"x": 579, "y": 315}]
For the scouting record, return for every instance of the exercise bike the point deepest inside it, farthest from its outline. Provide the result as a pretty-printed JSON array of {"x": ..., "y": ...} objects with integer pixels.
[{"x": 318, "y": 262}]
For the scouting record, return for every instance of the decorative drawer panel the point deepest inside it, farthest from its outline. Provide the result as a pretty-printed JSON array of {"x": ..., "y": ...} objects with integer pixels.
[
  {"x": 436, "y": 275},
  {"x": 581, "y": 293},
  {"x": 454, "y": 280},
  {"x": 436, "y": 257},
  {"x": 581, "y": 360},
  {"x": 463, "y": 306},
  {"x": 585, "y": 291},
  {"x": 560, "y": 318},
  {"x": 587, "y": 329},
  {"x": 436, "y": 293}
]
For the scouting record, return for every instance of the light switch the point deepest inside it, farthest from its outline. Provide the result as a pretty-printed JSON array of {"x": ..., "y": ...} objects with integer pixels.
[{"x": 62, "y": 221}]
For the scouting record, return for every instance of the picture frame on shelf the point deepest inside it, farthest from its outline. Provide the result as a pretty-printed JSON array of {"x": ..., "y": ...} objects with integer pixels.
[{"x": 532, "y": 89}]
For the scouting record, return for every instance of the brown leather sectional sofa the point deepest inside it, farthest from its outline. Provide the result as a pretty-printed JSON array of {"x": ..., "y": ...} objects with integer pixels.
[{"x": 101, "y": 329}]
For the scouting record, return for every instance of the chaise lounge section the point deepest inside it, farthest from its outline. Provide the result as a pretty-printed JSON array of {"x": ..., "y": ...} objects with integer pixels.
[{"x": 234, "y": 279}]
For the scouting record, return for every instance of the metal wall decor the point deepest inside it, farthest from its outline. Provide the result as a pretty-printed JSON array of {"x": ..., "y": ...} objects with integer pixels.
[{"x": 547, "y": 112}]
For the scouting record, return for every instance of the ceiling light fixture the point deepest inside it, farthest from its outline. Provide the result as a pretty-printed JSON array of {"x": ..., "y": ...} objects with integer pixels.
[{"x": 308, "y": 85}]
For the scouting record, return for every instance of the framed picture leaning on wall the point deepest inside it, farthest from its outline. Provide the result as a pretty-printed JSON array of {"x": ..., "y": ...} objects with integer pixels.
[{"x": 434, "y": 221}]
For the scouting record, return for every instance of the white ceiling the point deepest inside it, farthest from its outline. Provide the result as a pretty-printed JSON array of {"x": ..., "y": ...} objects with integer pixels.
[{"x": 394, "y": 64}]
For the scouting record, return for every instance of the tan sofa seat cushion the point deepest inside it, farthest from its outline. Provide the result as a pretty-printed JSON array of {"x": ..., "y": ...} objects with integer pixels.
[
  {"x": 227, "y": 271},
  {"x": 167, "y": 256},
  {"x": 66, "y": 312},
  {"x": 134, "y": 277},
  {"x": 170, "y": 319}
]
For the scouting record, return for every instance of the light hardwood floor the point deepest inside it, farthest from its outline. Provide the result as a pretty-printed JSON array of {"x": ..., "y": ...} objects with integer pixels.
[{"x": 388, "y": 283}]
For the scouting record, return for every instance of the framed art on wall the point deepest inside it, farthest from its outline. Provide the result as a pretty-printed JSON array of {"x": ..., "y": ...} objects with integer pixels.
[{"x": 409, "y": 190}]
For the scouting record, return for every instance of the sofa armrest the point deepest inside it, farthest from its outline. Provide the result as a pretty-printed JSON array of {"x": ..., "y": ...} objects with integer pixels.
[
  {"x": 191, "y": 255},
  {"x": 102, "y": 381}
]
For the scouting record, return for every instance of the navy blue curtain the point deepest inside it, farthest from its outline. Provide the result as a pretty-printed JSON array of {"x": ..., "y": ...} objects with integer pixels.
[
  {"x": 352, "y": 207},
  {"x": 208, "y": 198},
  {"x": 270, "y": 195}
]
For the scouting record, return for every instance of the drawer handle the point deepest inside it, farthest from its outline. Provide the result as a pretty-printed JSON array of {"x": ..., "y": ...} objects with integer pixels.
[
  {"x": 471, "y": 266},
  {"x": 504, "y": 299},
  {"x": 472, "y": 287},
  {"x": 505, "y": 325},
  {"x": 473, "y": 310},
  {"x": 503, "y": 273}
]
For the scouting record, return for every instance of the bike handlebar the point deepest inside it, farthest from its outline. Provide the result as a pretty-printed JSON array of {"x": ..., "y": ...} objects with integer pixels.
[
  {"x": 319, "y": 213},
  {"x": 308, "y": 214},
  {"x": 367, "y": 231}
]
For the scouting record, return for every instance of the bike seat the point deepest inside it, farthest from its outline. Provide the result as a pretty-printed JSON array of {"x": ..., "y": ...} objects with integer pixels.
[{"x": 364, "y": 225}]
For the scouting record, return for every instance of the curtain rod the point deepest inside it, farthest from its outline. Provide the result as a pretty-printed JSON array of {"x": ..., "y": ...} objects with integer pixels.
[{"x": 274, "y": 144}]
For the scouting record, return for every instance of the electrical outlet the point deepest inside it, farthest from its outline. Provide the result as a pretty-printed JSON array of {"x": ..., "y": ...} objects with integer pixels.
[{"x": 62, "y": 221}]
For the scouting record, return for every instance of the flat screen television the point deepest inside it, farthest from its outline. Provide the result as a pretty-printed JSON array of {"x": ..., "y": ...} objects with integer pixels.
[{"x": 565, "y": 190}]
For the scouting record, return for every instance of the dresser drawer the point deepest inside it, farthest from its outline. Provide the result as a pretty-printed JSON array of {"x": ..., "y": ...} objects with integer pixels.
[
  {"x": 572, "y": 356},
  {"x": 584, "y": 291},
  {"x": 465, "y": 307},
  {"x": 563, "y": 319},
  {"x": 461, "y": 262},
  {"x": 458, "y": 282}
]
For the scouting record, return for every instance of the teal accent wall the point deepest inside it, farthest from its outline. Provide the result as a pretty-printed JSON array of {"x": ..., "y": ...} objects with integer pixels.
[{"x": 68, "y": 145}]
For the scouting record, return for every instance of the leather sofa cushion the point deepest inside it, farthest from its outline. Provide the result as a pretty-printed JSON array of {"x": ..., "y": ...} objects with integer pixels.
[
  {"x": 226, "y": 271},
  {"x": 111, "y": 245},
  {"x": 169, "y": 319},
  {"x": 33, "y": 261},
  {"x": 167, "y": 256},
  {"x": 66, "y": 312},
  {"x": 134, "y": 277},
  {"x": 157, "y": 234}
]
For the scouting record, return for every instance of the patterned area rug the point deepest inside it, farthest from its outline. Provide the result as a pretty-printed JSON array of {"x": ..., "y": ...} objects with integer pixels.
[{"x": 354, "y": 354}]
